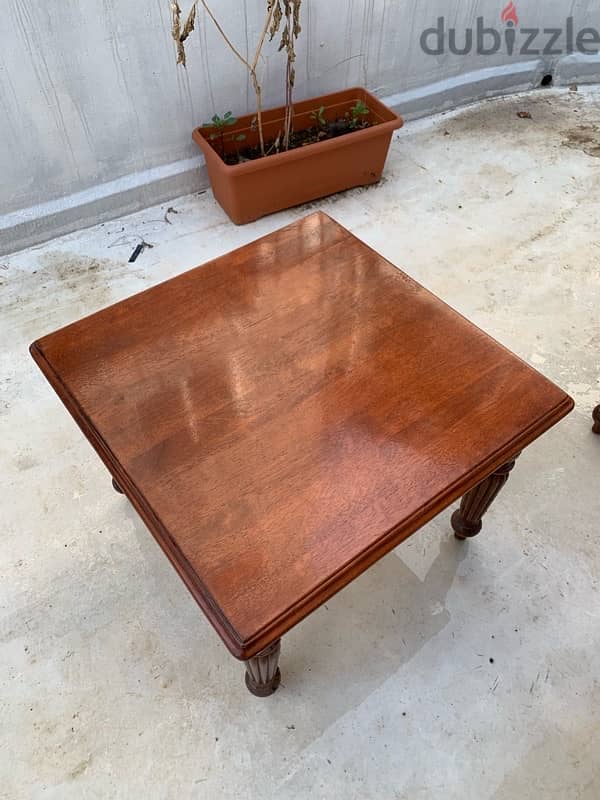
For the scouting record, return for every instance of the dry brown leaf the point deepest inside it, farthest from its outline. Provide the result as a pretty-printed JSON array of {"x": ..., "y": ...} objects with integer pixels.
[
  {"x": 189, "y": 24},
  {"x": 276, "y": 21},
  {"x": 179, "y": 36},
  {"x": 175, "y": 20},
  {"x": 176, "y": 31},
  {"x": 296, "y": 16},
  {"x": 285, "y": 39}
]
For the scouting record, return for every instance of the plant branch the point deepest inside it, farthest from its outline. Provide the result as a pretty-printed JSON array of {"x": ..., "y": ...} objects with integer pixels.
[
  {"x": 263, "y": 35},
  {"x": 251, "y": 67},
  {"x": 230, "y": 44},
  {"x": 271, "y": 26}
]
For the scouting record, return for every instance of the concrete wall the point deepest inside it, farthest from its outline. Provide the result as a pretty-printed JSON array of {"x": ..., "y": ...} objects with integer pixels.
[{"x": 96, "y": 116}]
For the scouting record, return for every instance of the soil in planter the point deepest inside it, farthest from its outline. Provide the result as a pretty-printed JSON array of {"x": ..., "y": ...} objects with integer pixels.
[{"x": 341, "y": 127}]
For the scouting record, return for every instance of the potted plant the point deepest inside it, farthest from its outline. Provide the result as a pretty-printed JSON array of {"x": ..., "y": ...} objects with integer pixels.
[{"x": 270, "y": 160}]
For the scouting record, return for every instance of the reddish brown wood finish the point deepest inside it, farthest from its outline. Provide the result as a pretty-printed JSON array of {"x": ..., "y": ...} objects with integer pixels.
[
  {"x": 596, "y": 416},
  {"x": 466, "y": 520},
  {"x": 285, "y": 415}
]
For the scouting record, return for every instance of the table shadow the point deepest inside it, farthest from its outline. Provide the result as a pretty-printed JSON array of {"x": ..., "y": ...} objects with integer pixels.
[
  {"x": 336, "y": 657},
  {"x": 370, "y": 630}
]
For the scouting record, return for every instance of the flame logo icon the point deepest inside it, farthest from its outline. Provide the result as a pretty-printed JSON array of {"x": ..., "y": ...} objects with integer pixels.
[{"x": 509, "y": 14}]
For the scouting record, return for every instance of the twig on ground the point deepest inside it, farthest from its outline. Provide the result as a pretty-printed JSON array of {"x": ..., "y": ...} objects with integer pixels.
[{"x": 170, "y": 210}]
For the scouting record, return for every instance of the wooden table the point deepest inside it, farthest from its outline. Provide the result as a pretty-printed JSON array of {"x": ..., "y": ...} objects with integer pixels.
[{"x": 285, "y": 415}]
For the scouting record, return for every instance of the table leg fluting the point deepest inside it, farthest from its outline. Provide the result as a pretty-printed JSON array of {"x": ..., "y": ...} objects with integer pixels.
[
  {"x": 262, "y": 672},
  {"x": 466, "y": 521}
]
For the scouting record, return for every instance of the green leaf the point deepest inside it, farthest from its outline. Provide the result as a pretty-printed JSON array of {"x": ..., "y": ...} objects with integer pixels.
[{"x": 359, "y": 109}]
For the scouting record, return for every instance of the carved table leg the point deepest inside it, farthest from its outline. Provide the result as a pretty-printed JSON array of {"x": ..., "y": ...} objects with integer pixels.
[
  {"x": 262, "y": 671},
  {"x": 466, "y": 521},
  {"x": 596, "y": 415},
  {"x": 116, "y": 487}
]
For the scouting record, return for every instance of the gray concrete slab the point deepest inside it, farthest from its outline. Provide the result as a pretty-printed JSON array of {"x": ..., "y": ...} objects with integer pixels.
[{"x": 447, "y": 670}]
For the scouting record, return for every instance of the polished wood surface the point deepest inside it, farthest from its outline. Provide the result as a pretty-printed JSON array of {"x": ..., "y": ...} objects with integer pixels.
[{"x": 283, "y": 416}]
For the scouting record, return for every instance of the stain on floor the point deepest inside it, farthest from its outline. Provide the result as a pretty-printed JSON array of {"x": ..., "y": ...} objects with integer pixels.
[
  {"x": 59, "y": 279},
  {"x": 585, "y": 138}
]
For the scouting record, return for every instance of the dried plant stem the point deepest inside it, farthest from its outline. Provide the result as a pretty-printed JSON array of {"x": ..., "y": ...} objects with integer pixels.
[
  {"x": 250, "y": 66},
  {"x": 289, "y": 82},
  {"x": 263, "y": 35},
  {"x": 274, "y": 16},
  {"x": 255, "y": 81},
  {"x": 289, "y": 104},
  {"x": 290, "y": 10},
  {"x": 224, "y": 35},
  {"x": 259, "y": 125}
]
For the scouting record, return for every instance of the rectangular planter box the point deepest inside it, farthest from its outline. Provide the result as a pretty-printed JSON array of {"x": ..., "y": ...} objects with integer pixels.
[{"x": 262, "y": 186}]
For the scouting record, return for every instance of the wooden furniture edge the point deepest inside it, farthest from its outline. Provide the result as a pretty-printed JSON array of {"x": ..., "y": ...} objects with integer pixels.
[
  {"x": 211, "y": 262},
  {"x": 244, "y": 649},
  {"x": 396, "y": 535},
  {"x": 239, "y": 647},
  {"x": 200, "y": 593}
]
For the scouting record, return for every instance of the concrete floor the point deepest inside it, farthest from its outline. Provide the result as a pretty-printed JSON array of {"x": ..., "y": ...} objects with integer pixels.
[{"x": 447, "y": 670}]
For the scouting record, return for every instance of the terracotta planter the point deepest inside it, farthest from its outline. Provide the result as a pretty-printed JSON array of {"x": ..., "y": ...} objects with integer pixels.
[{"x": 255, "y": 188}]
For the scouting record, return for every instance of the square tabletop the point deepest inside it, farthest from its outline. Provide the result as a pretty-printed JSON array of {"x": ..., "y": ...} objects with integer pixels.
[{"x": 286, "y": 414}]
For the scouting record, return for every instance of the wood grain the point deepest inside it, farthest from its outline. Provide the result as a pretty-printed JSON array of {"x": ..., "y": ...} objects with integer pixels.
[{"x": 283, "y": 416}]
